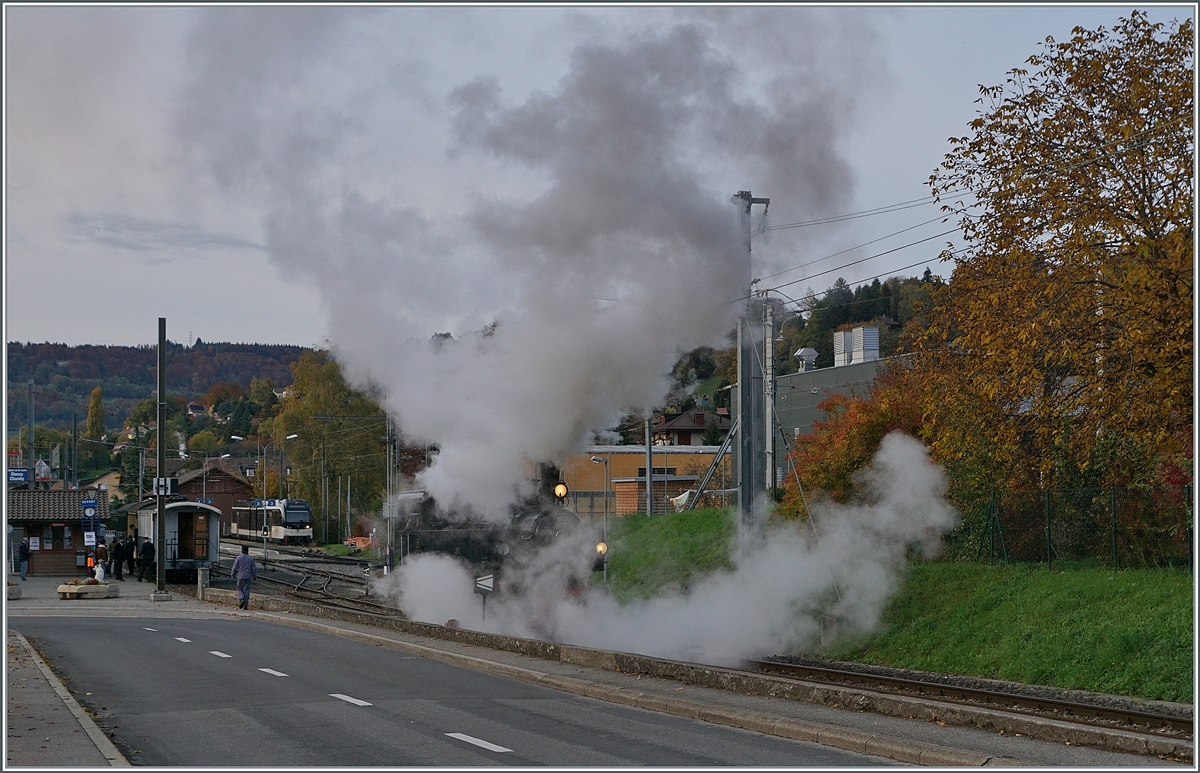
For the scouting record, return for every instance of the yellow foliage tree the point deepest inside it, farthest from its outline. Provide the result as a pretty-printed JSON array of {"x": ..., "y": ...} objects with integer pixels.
[{"x": 1064, "y": 337}]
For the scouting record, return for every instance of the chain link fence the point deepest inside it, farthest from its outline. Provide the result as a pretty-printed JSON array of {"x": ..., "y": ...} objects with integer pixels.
[{"x": 1117, "y": 527}]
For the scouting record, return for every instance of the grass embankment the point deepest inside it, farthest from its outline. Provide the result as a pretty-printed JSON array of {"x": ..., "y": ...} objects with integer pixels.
[
  {"x": 666, "y": 552},
  {"x": 1127, "y": 632}
]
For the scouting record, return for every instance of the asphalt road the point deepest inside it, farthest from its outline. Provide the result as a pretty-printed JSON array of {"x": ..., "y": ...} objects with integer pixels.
[{"x": 242, "y": 692}]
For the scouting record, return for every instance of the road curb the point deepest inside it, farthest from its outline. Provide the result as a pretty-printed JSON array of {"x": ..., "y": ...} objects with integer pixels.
[
  {"x": 103, "y": 745},
  {"x": 880, "y": 745}
]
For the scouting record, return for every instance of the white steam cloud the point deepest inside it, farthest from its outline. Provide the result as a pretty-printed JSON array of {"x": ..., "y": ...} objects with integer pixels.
[
  {"x": 796, "y": 589},
  {"x": 597, "y": 243}
]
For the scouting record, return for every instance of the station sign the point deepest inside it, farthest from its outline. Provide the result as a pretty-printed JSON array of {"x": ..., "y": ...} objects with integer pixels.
[{"x": 18, "y": 475}]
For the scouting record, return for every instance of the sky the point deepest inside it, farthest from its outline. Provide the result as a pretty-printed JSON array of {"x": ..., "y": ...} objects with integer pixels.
[{"x": 170, "y": 161}]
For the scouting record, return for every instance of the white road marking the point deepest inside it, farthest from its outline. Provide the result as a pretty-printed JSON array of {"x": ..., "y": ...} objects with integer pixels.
[
  {"x": 180, "y": 638},
  {"x": 219, "y": 654},
  {"x": 272, "y": 672},
  {"x": 150, "y": 629},
  {"x": 489, "y": 746},
  {"x": 348, "y": 699}
]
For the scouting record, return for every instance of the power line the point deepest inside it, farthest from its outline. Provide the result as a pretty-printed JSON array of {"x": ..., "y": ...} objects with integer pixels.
[
  {"x": 856, "y": 262},
  {"x": 943, "y": 218},
  {"x": 898, "y": 207}
]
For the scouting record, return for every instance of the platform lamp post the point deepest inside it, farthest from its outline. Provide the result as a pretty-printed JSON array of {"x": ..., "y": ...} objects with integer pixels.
[
  {"x": 289, "y": 437},
  {"x": 258, "y": 450},
  {"x": 604, "y": 538},
  {"x": 204, "y": 477},
  {"x": 263, "y": 469}
]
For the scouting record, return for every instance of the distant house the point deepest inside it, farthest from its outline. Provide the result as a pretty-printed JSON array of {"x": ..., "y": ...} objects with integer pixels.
[
  {"x": 688, "y": 428},
  {"x": 220, "y": 485},
  {"x": 197, "y": 409}
]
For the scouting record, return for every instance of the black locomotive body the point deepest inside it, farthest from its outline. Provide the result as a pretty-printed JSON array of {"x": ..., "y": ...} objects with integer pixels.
[{"x": 537, "y": 535}]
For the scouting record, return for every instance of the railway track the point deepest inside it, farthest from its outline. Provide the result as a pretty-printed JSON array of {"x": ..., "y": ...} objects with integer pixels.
[
  {"x": 340, "y": 582},
  {"x": 934, "y": 689},
  {"x": 343, "y": 584}
]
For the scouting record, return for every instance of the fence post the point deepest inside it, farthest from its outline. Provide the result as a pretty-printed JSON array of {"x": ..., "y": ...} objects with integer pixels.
[
  {"x": 1112, "y": 508},
  {"x": 1049, "y": 560},
  {"x": 1187, "y": 490},
  {"x": 992, "y": 530}
]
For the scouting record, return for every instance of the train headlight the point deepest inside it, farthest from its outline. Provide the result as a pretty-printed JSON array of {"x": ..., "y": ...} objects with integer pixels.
[
  {"x": 601, "y": 548},
  {"x": 502, "y": 549},
  {"x": 560, "y": 491}
]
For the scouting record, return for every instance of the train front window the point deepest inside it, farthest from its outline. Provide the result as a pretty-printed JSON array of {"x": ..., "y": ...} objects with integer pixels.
[{"x": 297, "y": 515}]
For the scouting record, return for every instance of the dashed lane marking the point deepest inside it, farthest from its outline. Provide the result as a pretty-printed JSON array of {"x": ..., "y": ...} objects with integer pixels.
[
  {"x": 150, "y": 629},
  {"x": 348, "y": 699},
  {"x": 272, "y": 672},
  {"x": 185, "y": 641},
  {"x": 219, "y": 654},
  {"x": 478, "y": 742}
]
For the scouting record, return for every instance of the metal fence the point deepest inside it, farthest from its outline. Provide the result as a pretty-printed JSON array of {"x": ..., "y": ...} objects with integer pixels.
[{"x": 1117, "y": 527}]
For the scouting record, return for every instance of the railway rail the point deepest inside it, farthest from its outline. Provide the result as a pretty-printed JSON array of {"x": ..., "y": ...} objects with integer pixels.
[
  {"x": 934, "y": 689},
  {"x": 341, "y": 582},
  {"x": 344, "y": 585}
]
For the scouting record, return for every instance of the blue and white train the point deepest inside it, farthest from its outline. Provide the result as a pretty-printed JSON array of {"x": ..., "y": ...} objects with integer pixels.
[{"x": 287, "y": 521}]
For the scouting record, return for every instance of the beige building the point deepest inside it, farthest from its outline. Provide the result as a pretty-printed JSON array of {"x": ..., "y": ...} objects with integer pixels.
[{"x": 676, "y": 469}]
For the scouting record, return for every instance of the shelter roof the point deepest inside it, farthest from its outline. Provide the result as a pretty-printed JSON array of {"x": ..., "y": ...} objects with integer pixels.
[{"x": 42, "y": 505}]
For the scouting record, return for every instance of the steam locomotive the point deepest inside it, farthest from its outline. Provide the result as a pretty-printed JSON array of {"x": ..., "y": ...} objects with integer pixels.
[{"x": 539, "y": 530}]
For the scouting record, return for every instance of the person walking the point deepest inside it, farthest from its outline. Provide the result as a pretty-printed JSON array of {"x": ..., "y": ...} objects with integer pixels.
[
  {"x": 244, "y": 571},
  {"x": 24, "y": 553},
  {"x": 146, "y": 556},
  {"x": 118, "y": 556}
]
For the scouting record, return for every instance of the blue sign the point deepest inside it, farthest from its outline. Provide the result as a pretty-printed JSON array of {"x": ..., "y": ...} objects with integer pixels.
[
  {"x": 258, "y": 503},
  {"x": 89, "y": 503},
  {"x": 270, "y": 503},
  {"x": 18, "y": 475}
]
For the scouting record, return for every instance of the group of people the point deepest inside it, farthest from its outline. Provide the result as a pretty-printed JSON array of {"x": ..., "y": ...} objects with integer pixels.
[
  {"x": 103, "y": 561},
  {"x": 127, "y": 553}
]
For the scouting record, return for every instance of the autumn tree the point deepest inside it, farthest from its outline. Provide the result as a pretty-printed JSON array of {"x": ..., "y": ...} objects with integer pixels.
[
  {"x": 1064, "y": 338},
  {"x": 95, "y": 452},
  {"x": 340, "y": 432}
]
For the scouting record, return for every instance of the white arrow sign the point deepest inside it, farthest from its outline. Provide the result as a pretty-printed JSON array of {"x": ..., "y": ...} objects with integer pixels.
[{"x": 485, "y": 584}]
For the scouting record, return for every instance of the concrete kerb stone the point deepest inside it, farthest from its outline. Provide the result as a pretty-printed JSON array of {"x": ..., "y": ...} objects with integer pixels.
[
  {"x": 737, "y": 681},
  {"x": 97, "y": 736}
]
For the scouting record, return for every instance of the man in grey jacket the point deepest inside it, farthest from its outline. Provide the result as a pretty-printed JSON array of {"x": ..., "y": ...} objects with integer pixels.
[{"x": 245, "y": 572}]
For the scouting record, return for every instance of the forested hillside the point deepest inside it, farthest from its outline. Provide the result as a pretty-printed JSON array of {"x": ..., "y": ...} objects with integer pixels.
[{"x": 64, "y": 376}]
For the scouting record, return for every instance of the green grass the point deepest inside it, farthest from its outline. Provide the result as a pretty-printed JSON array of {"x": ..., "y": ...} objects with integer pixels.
[
  {"x": 704, "y": 387},
  {"x": 1127, "y": 632},
  {"x": 665, "y": 553}
]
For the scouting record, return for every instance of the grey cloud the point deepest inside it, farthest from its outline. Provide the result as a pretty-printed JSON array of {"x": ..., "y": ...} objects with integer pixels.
[{"x": 141, "y": 235}]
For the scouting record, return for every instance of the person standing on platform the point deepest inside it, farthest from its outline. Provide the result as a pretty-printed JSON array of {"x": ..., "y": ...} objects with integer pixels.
[
  {"x": 131, "y": 555},
  {"x": 102, "y": 555},
  {"x": 24, "y": 554},
  {"x": 146, "y": 556},
  {"x": 118, "y": 556},
  {"x": 244, "y": 571}
]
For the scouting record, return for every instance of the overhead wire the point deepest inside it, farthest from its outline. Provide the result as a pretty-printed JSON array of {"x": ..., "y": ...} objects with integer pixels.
[{"x": 1134, "y": 142}]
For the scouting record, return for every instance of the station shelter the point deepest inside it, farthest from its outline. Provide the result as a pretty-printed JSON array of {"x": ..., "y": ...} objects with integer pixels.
[{"x": 53, "y": 521}]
